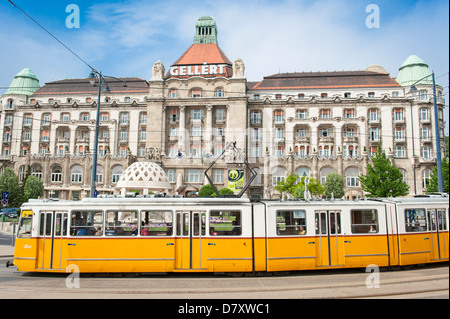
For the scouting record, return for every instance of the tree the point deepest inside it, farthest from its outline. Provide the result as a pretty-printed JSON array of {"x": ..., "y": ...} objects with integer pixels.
[
  {"x": 34, "y": 188},
  {"x": 383, "y": 179},
  {"x": 314, "y": 187},
  {"x": 226, "y": 191},
  {"x": 334, "y": 184},
  {"x": 433, "y": 185},
  {"x": 288, "y": 185},
  {"x": 10, "y": 182},
  {"x": 206, "y": 191}
]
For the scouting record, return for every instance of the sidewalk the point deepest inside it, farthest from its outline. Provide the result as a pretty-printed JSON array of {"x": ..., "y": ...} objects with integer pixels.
[{"x": 6, "y": 250}]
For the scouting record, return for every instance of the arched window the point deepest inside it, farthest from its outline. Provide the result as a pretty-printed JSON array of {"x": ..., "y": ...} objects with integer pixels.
[
  {"x": 99, "y": 175},
  {"x": 426, "y": 174},
  {"x": 352, "y": 177},
  {"x": 324, "y": 173},
  {"x": 195, "y": 93},
  {"x": 302, "y": 171},
  {"x": 76, "y": 174},
  {"x": 278, "y": 174},
  {"x": 116, "y": 173},
  {"x": 56, "y": 175},
  {"x": 219, "y": 92}
]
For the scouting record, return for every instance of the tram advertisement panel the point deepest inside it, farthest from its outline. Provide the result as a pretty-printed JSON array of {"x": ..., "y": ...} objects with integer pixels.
[{"x": 236, "y": 179}]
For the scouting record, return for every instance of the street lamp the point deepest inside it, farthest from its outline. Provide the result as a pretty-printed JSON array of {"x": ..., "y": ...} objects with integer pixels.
[
  {"x": 436, "y": 124},
  {"x": 93, "y": 79}
]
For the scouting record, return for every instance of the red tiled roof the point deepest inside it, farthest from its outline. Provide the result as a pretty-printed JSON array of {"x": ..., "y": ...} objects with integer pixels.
[
  {"x": 83, "y": 86},
  {"x": 203, "y": 52},
  {"x": 199, "y": 54},
  {"x": 338, "y": 79}
]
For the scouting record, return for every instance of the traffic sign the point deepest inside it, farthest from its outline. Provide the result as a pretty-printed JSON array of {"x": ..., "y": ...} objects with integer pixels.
[
  {"x": 5, "y": 195},
  {"x": 4, "y": 202}
]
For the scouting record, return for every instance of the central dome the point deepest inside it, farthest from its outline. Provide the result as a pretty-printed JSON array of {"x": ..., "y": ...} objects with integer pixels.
[{"x": 145, "y": 176}]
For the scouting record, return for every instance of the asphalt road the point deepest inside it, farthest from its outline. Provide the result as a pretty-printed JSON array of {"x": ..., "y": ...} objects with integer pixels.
[{"x": 431, "y": 281}]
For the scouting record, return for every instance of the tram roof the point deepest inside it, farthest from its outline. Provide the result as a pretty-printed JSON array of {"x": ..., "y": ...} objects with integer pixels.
[{"x": 183, "y": 201}]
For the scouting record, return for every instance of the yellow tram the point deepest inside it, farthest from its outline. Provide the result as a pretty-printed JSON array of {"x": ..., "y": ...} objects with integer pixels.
[{"x": 229, "y": 234}]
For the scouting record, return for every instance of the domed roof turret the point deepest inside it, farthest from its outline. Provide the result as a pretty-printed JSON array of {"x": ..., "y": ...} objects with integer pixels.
[
  {"x": 24, "y": 83},
  {"x": 412, "y": 70}
]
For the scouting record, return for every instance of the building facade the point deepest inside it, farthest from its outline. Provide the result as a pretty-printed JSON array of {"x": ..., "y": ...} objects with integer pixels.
[{"x": 310, "y": 123}]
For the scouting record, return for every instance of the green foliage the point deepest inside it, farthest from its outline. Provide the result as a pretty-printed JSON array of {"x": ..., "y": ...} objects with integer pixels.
[
  {"x": 295, "y": 186},
  {"x": 226, "y": 191},
  {"x": 206, "y": 191},
  {"x": 383, "y": 179},
  {"x": 288, "y": 185},
  {"x": 334, "y": 184},
  {"x": 34, "y": 188},
  {"x": 433, "y": 185},
  {"x": 10, "y": 182}
]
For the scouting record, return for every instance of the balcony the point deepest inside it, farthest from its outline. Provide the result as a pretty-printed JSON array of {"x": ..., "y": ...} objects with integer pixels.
[
  {"x": 350, "y": 139},
  {"x": 302, "y": 139}
]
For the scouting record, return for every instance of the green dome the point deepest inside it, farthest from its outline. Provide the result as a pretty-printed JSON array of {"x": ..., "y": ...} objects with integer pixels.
[
  {"x": 412, "y": 70},
  {"x": 24, "y": 83}
]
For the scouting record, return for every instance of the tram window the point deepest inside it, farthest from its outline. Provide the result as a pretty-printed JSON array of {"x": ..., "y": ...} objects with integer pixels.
[
  {"x": 431, "y": 219},
  {"x": 45, "y": 224},
  {"x": 364, "y": 221},
  {"x": 156, "y": 223},
  {"x": 199, "y": 223},
  {"x": 60, "y": 224},
  {"x": 121, "y": 223},
  {"x": 415, "y": 220},
  {"x": 86, "y": 223},
  {"x": 291, "y": 222},
  {"x": 225, "y": 223},
  {"x": 25, "y": 224},
  {"x": 442, "y": 221}
]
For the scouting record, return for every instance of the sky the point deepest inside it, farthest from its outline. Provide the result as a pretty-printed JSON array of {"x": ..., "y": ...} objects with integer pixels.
[{"x": 124, "y": 38}]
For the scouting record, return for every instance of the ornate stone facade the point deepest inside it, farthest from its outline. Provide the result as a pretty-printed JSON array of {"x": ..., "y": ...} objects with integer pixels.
[{"x": 311, "y": 123}]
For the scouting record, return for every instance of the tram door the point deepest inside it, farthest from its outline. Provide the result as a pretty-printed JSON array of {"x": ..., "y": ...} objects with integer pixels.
[
  {"x": 53, "y": 226},
  {"x": 190, "y": 230},
  {"x": 329, "y": 247},
  {"x": 437, "y": 221}
]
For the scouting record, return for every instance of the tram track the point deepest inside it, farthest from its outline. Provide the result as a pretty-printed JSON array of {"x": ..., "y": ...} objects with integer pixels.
[{"x": 428, "y": 281}]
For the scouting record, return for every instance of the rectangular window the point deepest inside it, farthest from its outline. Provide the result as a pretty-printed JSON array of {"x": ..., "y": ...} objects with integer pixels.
[
  {"x": 194, "y": 176},
  {"x": 75, "y": 177},
  {"x": 156, "y": 223},
  {"x": 292, "y": 222},
  {"x": 225, "y": 223},
  {"x": 86, "y": 223},
  {"x": 364, "y": 221},
  {"x": 121, "y": 223},
  {"x": 399, "y": 151},
  {"x": 302, "y": 114},
  {"x": 170, "y": 175},
  {"x": 255, "y": 117},
  {"x": 220, "y": 115},
  {"x": 196, "y": 114},
  {"x": 349, "y": 113},
  {"x": 218, "y": 176},
  {"x": 415, "y": 220},
  {"x": 325, "y": 114}
]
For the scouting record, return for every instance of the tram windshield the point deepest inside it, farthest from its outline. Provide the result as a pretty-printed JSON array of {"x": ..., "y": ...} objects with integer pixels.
[{"x": 25, "y": 224}]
